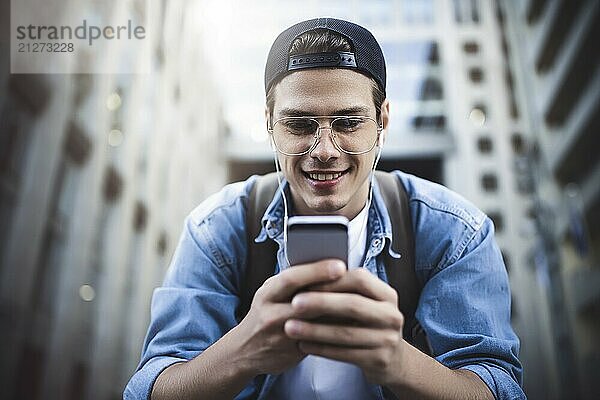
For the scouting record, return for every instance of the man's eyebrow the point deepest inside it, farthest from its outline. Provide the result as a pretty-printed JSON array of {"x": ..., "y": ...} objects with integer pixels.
[
  {"x": 353, "y": 111},
  {"x": 293, "y": 112}
]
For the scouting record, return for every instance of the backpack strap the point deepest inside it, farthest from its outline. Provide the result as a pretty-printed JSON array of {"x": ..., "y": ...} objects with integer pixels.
[
  {"x": 400, "y": 272},
  {"x": 262, "y": 257}
]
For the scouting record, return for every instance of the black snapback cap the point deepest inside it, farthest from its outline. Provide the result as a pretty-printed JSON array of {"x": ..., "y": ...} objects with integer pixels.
[{"x": 366, "y": 57}]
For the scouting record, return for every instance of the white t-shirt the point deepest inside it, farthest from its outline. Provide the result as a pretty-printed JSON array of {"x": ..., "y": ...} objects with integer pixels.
[
  {"x": 321, "y": 378},
  {"x": 357, "y": 239}
]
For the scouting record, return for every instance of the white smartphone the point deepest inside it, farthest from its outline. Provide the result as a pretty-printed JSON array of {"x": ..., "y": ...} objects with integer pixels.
[{"x": 313, "y": 238}]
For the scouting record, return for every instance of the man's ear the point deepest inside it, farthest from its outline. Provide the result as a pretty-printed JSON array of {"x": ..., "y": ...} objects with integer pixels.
[
  {"x": 267, "y": 117},
  {"x": 385, "y": 119}
]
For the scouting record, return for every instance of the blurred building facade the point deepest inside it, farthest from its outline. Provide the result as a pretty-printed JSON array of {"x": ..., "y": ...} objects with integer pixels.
[
  {"x": 97, "y": 174},
  {"x": 551, "y": 47}
]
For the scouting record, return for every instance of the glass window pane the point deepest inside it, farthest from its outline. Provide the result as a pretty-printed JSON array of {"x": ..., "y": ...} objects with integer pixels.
[
  {"x": 411, "y": 53},
  {"x": 416, "y": 88},
  {"x": 435, "y": 123}
]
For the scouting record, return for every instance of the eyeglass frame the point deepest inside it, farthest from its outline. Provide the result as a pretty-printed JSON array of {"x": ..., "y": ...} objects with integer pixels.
[{"x": 317, "y": 134}]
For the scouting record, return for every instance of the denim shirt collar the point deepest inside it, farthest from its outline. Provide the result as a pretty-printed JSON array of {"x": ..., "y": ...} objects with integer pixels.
[{"x": 379, "y": 228}]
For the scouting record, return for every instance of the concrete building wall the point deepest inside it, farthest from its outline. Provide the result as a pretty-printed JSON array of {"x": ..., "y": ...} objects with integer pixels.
[
  {"x": 555, "y": 60},
  {"x": 98, "y": 174}
]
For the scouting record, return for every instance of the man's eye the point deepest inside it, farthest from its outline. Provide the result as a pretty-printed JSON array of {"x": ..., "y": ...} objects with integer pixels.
[
  {"x": 348, "y": 124},
  {"x": 300, "y": 127}
]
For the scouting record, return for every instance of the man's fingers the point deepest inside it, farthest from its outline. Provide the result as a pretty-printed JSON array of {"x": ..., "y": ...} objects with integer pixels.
[
  {"x": 360, "y": 281},
  {"x": 340, "y": 335},
  {"x": 275, "y": 315},
  {"x": 345, "y": 354},
  {"x": 366, "y": 311},
  {"x": 284, "y": 285}
]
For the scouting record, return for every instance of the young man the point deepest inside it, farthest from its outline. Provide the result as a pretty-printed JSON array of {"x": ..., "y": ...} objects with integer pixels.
[{"x": 327, "y": 117}]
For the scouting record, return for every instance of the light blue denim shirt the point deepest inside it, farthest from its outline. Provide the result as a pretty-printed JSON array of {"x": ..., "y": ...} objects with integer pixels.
[{"x": 464, "y": 306}]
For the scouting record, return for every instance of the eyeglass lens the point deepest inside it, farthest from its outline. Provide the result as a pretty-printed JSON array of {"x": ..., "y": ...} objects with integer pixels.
[{"x": 296, "y": 135}]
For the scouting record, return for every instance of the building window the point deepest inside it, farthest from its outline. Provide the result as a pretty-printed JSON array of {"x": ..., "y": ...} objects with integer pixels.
[
  {"x": 112, "y": 185},
  {"x": 485, "y": 145},
  {"x": 416, "y": 88},
  {"x": 475, "y": 11},
  {"x": 411, "y": 53},
  {"x": 161, "y": 243},
  {"x": 431, "y": 89},
  {"x": 466, "y": 11},
  {"x": 510, "y": 83},
  {"x": 77, "y": 145},
  {"x": 489, "y": 182},
  {"x": 505, "y": 47},
  {"x": 476, "y": 74},
  {"x": 471, "y": 47},
  {"x": 435, "y": 123},
  {"x": 140, "y": 217},
  {"x": 518, "y": 143},
  {"x": 514, "y": 110},
  {"x": 500, "y": 15}
]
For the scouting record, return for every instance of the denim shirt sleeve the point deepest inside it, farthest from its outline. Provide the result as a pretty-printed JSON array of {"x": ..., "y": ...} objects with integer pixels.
[
  {"x": 196, "y": 304},
  {"x": 465, "y": 302}
]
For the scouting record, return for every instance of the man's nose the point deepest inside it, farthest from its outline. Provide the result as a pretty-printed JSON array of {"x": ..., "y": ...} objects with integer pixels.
[{"x": 325, "y": 149}]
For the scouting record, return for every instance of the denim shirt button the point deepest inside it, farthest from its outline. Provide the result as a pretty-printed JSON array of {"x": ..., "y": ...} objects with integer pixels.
[{"x": 376, "y": 243}]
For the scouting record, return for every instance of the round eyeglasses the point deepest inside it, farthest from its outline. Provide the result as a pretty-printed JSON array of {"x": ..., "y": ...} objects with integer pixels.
[{"x": 296, "y": 136}]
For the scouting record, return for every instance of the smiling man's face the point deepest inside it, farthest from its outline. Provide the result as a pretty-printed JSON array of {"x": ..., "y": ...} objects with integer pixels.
[{"x": 324, "y": 92}]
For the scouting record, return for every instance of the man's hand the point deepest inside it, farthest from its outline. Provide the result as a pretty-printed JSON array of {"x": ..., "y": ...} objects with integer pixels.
[
  {"x": 374, "y": 342},
  {"x": 257, "y": 345},
  {"x": 264, "y": 342}
]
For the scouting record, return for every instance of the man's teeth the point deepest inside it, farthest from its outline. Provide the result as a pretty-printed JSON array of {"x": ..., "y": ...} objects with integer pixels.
[{"x": 325, "y": 177}]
